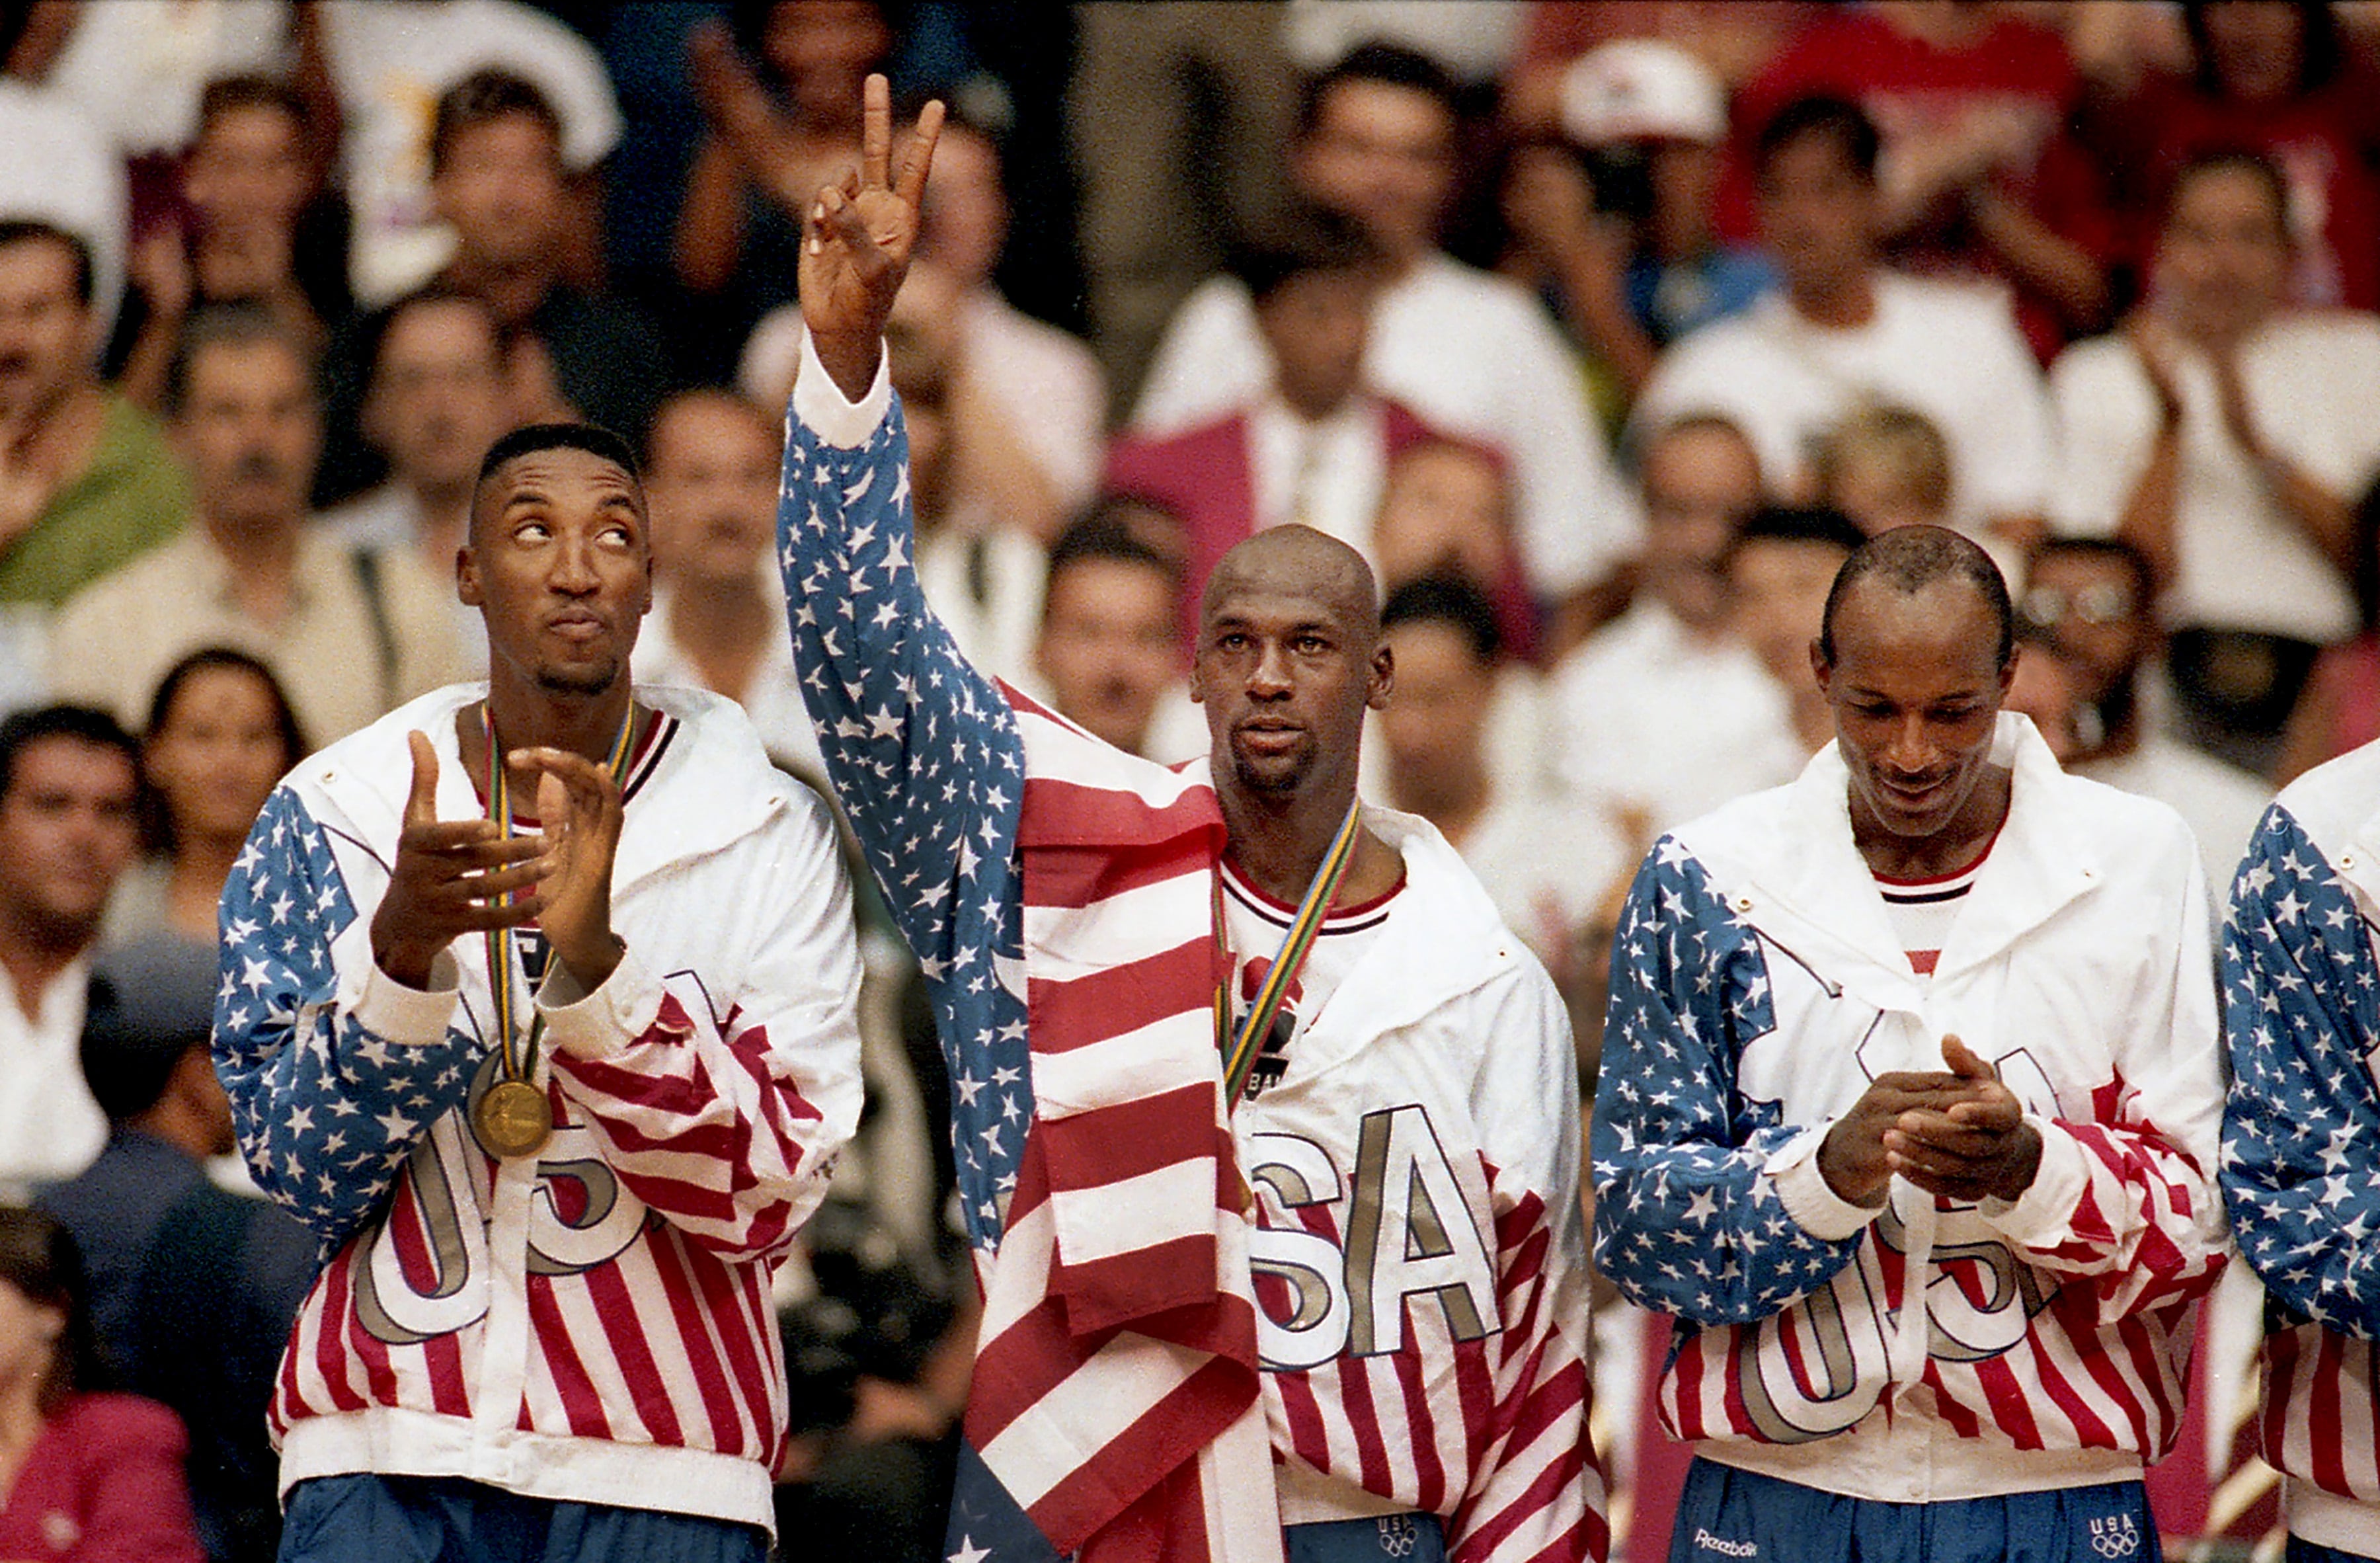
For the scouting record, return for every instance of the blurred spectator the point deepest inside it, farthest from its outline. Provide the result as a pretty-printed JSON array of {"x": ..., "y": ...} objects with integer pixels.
[
  {"x": 1979, "y": 176},
  {"x": 221, "y": 733},
  {"x": 2223, "y": 436},
  {"x": 2340, "y": 707},
  {"x": 1547, "y": 863},
  {"x": 192, "y": 1289},
  {"x": 1475, "y": 42},
  {"x": 1886, "y": 467},
  {"x": 1624, "y": 233},
  {"x": 258, "y": 228},
  {"x": 350, "y": 634},
  {"x": 1110, "y": 650},
  {"x": 1471, "y": 353},
  {"x": 2089, "y": 598},
  {"x": 60, "y": 170},
  {"x": 1178, "y": 116},
  {"x": 718, "y": 620},
  {"x": 774, "y": 137},
  {"x": 1312, "y": 443},
  {"x": 1665, "y": 711},
  {"x": 2047, "y": 689},
  {"x": 68, "y": 781},
  {"x": 86, "y": 479},
  {"x": 1733, "y": 39},
  {"x": 436, "y": 401},
  {"x": 95, "y": 1477},
  {"x": 140, "y": 69},
  {"x": 499, "y": 176},
  {"x": 1037, "y": 389},
  {"x": 2272, "y": 76},
  {"x": 1844, "y": 332},
  {"x": 393, "y": 65},
  {"x": 1779, "y": 569},
  {"x": 1446, "y": 509}
]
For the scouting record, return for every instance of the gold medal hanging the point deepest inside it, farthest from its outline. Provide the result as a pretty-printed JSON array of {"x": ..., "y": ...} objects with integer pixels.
[{"x": 514, "y": 1117}]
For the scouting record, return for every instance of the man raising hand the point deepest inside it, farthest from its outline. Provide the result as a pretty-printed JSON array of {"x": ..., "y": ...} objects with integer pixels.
[{"x": 1274, "y": 1262}]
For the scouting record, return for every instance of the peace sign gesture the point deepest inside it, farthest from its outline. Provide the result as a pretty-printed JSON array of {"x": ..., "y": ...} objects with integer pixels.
[{"x": 856, "y": 241}]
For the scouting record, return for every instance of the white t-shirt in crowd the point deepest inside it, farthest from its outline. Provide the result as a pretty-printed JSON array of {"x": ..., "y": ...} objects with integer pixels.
[
  {"x": 50, "y": 1126},
  {"x": 58, "y": 168},
  {"x": 137, "y": 67},
  {"x": 985, "y": 582},
  {"x": 773, "y": 698},
  {"x": 2313, "y": 382},
  {"x": 1949, "y": 350},
  {"x": 1044, "y": 380},
  {"x": 1648, "y": 716},
  {"x": 1471, "y": 353},
  {"x": 390, "y": 60},
  {"x": 2222, "y": 804},
  {"x": 1549, "y": 863}
]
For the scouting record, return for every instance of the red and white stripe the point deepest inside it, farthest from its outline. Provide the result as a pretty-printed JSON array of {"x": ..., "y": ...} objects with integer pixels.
[{"x": 2321, "y": 1420}]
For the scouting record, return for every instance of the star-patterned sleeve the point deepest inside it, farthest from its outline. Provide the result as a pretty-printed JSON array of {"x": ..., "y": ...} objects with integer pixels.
[
  {"x": 1688, "y": 1219},
  {"x": 922, "y": 750},
  {"x": 2301, "y": 1162},
  {"x": 331, "y": 1081}
]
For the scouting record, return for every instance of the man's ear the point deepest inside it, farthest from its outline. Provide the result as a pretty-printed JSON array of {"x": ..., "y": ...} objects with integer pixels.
[
  {"x": 467, "y": 578},
  {"x": 1383, "y": 679},
  {"x": 1820, "y": 669}
]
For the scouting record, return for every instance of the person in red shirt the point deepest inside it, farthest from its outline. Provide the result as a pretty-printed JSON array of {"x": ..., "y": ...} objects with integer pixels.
[{"x": 88, "y": 1476}]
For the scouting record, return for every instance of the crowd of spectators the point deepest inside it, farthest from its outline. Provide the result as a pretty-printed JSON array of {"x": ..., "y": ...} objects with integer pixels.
[{"x": 1605, "y": 331}]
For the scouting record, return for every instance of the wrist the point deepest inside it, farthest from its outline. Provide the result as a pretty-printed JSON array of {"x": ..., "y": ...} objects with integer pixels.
[
  {"x": 405, "y": 966},
  {"x": 849, "y": 359},
  {"x": 1844, "y": 1183},
  {"x": 591, "y": 961},
  {"x": 2023, "y": 1166}
]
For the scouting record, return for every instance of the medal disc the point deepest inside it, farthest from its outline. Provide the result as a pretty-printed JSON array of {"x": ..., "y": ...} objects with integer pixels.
[{"x": 513, "y": 1118}]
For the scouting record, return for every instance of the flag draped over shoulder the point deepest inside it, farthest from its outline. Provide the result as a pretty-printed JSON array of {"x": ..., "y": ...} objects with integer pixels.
[{"x": 1116, "y": 1402}]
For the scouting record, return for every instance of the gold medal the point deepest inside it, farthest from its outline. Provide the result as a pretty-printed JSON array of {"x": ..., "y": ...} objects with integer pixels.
[{"x": 513, "y": 1118}]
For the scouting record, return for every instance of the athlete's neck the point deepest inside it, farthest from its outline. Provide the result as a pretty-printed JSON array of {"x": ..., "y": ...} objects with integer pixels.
[
  {"x": 1278, "y": 842},
  {"x": 1954, "y": 848},
  {"x": 528, "y": 717}
]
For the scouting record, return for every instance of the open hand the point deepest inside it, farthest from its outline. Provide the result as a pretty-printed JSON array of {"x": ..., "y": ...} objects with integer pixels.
[
  {"x": 856, "y": 238},
  {"x": 578, "y": 809},
  {"x": 451, "y": 877}
]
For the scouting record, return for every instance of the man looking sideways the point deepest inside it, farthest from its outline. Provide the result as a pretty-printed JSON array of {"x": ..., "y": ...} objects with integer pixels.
[
  {"x": 554, "y": 1044},
  {"x": 1274, "y": 1263},
  {"x": 1908, "y": 1113}
]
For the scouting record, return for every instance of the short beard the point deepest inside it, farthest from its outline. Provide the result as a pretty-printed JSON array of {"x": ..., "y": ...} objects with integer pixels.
[
  {"x": 1282, "y": 785},
  {"x": 599, "y": 682}
]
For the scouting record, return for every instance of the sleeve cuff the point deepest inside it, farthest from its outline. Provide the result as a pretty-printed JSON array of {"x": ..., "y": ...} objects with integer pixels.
[
  {"x": 409, "y": 1017},
  {"x": 1803, "y": 1190},
  {"x": 821, "y": 408},
  {"x": 590, "y": 1026},
  {"x": 2041, "y": 1217}
]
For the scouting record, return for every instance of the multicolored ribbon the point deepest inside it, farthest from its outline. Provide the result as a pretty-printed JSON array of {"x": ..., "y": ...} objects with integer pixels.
[{"x": 1240, "y": 1049}]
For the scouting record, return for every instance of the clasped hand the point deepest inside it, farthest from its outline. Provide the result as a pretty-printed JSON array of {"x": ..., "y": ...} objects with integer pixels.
[
  {"x": 1961, "y": 1134},
  {"x": 458, "y": 876}
]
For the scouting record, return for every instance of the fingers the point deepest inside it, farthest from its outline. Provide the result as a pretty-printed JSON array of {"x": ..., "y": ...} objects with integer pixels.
[
  {"x": 1997, "y": 1112},
  {"x": 836, "y": 217},
  {"x": 421, "y": 802},
  {"x": 459, "y": 845},
  {"x": 1963, "y": 1061},
  {"x": 876, "y": 133},
  {"x": 919, "y": 158},
  {"x": 1951, "y": 1134},
  {"x": 584, "y": 780}
]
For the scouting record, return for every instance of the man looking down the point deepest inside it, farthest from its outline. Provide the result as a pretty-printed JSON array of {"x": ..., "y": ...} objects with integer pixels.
[{"x": 1302, "y": 1284}]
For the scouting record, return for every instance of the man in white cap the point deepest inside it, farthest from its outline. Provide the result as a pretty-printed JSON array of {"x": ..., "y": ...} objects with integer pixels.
[{"x": 1625, "y": 231}]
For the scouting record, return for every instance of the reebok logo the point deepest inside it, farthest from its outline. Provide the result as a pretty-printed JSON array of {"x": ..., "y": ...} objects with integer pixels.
[{"x": 1705, "y": 1542}]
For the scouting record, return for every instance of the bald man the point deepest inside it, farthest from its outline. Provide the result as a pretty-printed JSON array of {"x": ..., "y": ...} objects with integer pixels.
[
  {"x": 1907, "y": 1115},
  {"x": 1275, "y": 1263}
]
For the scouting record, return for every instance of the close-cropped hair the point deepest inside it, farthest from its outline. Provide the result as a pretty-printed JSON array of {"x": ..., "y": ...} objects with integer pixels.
[
  {"x": 20, "y": 730},
  {"x": 483, "y": 98},
  {"x": 1910, "y": 559},
  {"x": 27, "y": 230},
  {"x": 528, "y": 439},
  {"x": 1391, "y": 64},
  {"x": 1820, "y": 115}
]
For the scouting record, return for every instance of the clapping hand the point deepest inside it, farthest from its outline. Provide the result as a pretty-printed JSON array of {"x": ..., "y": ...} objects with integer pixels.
[{"x": 451, "y": 877}]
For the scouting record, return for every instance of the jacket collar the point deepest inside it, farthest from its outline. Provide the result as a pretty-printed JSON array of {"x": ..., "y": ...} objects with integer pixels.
[
  {"x": 714, "y": 787},
  {"x": 1812, "y": 874}
]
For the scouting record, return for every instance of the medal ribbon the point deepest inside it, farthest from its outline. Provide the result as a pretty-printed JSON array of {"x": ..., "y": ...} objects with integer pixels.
[
  {"x": 1240, "y": 1049},
  {"x": 500, "y": 940}
]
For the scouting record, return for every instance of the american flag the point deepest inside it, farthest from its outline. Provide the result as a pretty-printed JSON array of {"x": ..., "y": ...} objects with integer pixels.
[
  {"x": 2301, "y": 1165},
  {"x": 1115, "y": 1375}
]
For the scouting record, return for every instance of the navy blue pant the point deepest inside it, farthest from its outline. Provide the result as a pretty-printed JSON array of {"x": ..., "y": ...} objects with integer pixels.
[
  {"x": 445, "y": 1520},
  {"x": 1729, "y": 1516},
  {"x": 2308, "y": 1552}
]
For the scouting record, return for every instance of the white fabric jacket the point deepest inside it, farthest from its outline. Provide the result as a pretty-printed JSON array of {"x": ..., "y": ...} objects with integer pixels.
[
  {"x": 591, "y": 1321},
  {"x": 1758, "y": 987}
]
